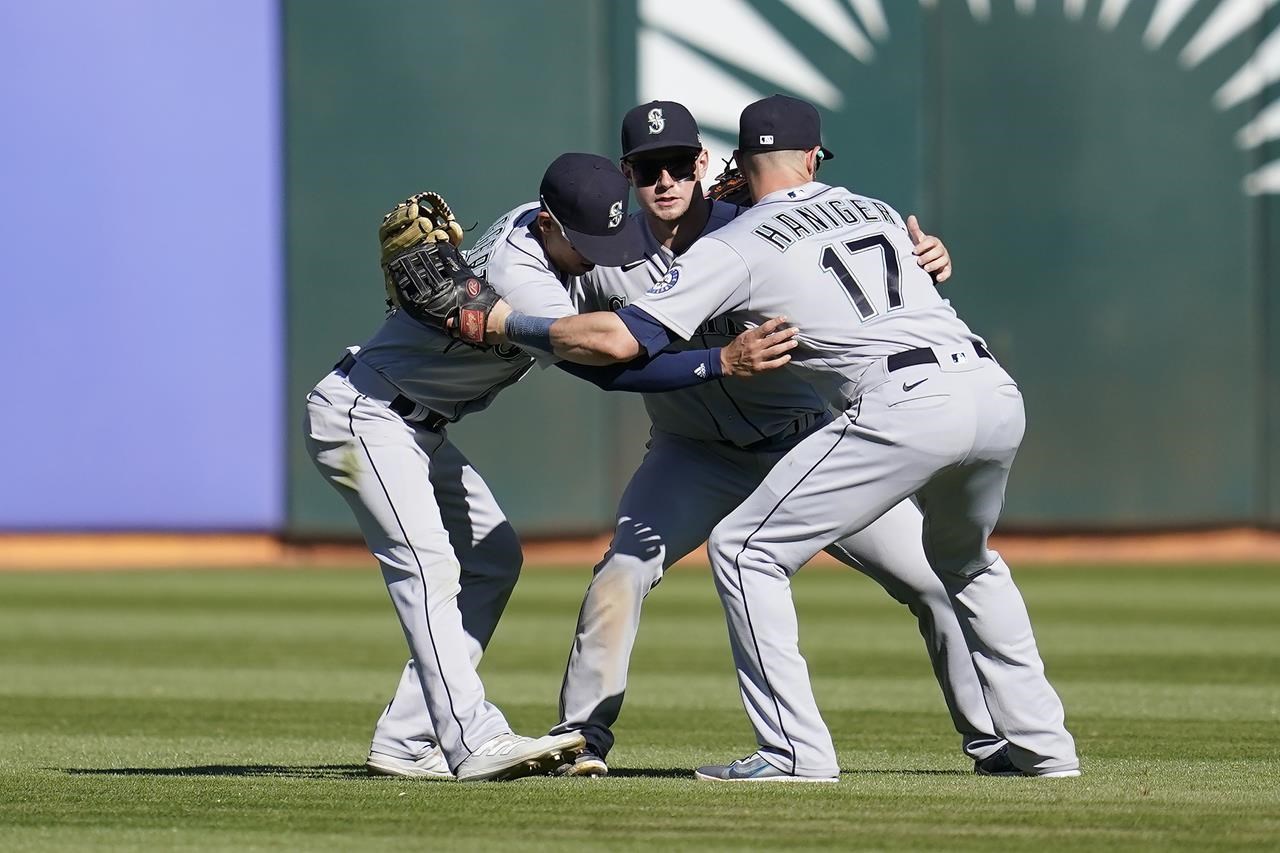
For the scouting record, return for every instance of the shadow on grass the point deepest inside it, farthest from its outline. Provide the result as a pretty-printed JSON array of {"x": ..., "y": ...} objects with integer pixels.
[
  {"x": 650, "y": 773},
  {"x": 318, "y": 771},
  {"x": 856, "y": 773},
  {"x": 357, "y": 771},
  {"x": 687, "y": 773}
]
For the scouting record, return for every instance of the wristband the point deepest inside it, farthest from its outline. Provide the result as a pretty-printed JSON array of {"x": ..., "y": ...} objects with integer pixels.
[{"x": 528, "y": 331}]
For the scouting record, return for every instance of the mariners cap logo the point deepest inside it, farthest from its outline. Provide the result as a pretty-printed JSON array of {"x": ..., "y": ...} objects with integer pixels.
[
  {"x": 656, "y": 121},
  {"x": 658, "y": 124},
  {"x": 615, "y": 214}
]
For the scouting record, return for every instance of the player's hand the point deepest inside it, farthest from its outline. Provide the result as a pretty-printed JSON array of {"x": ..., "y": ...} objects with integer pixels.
[
  {"x": 931, "y": 255},
  {"x": 757, "y": 350},
  {"x": 496, "y": 325}
]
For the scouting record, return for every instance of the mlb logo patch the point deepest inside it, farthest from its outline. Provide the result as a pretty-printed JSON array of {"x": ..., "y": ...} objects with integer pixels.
[
  {"x": 959, "y": 358},
  {"x": 766, "y": 139}
]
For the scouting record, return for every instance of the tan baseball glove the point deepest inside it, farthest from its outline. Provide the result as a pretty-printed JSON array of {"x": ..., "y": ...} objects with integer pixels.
[{"x": 420, "y": 219}]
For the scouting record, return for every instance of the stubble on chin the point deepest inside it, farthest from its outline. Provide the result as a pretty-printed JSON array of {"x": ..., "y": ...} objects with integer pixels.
[{"x": 670, "y": 214}]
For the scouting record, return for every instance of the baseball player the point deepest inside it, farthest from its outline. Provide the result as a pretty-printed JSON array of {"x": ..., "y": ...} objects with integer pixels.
[
  {"x": 710, "y": 447},
  {"x": 376, "y": 430},
  {"x": 925, "y": 411}
]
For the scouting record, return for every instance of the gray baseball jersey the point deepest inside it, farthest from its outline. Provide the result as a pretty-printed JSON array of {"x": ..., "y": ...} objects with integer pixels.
[
  {"x": 449, "y": 377},
  {"x": 740, "y": 410},
  {"x": 870, "y": 300},
  {"x": 944, "y": 427},
  {"x": 449, "y": 557},
  {"x": 695, "y": 471}
]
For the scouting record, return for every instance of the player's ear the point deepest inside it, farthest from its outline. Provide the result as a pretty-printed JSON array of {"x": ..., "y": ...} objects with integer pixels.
[
  {"x": 701, "y": 165},
  {"x": 626, "y": 170},
  {"x": 544, "y": 223}
]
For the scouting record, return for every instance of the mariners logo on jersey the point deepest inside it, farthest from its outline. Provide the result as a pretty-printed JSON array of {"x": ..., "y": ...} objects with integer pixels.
[
  {"x": 656, "y": 121},
  {"x": 667, "y": 282},
  {"x": 508, "y": 352}
]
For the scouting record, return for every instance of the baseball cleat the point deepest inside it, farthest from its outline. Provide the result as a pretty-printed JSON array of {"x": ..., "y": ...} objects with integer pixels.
[
  {"x": 587, "y": 763},
  {"x": 753, "y": 768},
  {"x": 430, "y": 765},
  {"x": 998, "y": 763},
  {"x": 512, "y": 756}
]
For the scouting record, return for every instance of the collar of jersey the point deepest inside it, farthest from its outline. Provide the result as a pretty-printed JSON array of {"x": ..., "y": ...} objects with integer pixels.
[{"x": 795, "y": 193}]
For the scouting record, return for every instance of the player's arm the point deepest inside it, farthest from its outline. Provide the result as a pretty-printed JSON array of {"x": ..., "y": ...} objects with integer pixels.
[
  {"x": 595, "y": 338},
  {"x": 931, "y": 254},
  {"x": 672, "y": 307},
  {"x": 754, "y": 351}
]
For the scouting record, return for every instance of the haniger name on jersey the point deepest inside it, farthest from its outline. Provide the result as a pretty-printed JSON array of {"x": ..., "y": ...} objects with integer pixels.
[{"x": 798, "y": 221}]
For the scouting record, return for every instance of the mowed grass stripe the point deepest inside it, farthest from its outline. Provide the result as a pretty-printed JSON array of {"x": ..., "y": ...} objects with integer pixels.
[
  {"x": 220, "y": 710},
  {"x": 650, "y": 689}
]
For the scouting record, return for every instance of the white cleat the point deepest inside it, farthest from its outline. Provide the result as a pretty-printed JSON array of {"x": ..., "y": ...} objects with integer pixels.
[
  {"x": 1000, "y": 764},
  {"x": 429, "y": 766},
  {"x": 513, "y": 756},
  {"x": 1057, "y": 774}
]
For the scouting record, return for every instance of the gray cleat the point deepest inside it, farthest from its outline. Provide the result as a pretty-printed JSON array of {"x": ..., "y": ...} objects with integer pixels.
[{"x": 753, "y": 768}]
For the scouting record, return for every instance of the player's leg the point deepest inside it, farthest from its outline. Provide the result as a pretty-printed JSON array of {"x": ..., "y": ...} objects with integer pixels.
[
  {"x": 404, "y": 740},
  {"x": 673, "y": 500},
  {"x": 488, "y": 551},
  {"x": 370, "y": 456},
  {"x": 961, "y": 508},
  {"x": 482, "y": 537},
  {"x": 890, "y": 552},
  {"x": 831, "y": 485},
  {"x": 798, "y": 510}
]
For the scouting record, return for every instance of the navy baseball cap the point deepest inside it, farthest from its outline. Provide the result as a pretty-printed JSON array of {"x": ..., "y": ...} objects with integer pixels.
[
  {"x": 658, "y": 124},
  {"x": 588, "y": 197},
  {"x": 780, "y": 123}
]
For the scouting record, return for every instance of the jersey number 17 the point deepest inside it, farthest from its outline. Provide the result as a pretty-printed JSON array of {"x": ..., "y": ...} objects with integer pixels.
[{"x": 832, "y": 261}]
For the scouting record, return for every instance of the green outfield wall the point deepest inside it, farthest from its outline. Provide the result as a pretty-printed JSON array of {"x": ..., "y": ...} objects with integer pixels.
[{"x": 1085, "y": 173}]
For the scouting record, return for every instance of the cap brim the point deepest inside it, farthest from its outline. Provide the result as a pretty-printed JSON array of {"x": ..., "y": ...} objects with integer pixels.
[
  {"x": 611, "y": 250},
  {"x": 826, "y": 153},
  {"x": 659, "y": 146}
]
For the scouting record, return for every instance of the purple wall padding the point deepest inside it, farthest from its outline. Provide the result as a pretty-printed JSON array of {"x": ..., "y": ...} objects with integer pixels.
[{"x": 141, "y": 265}]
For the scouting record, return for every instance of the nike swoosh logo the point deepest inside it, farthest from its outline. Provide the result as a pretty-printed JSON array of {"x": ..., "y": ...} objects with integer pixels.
[{"x": 906, "y": 387}]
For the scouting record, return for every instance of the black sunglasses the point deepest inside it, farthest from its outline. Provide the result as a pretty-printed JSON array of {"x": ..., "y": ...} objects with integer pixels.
[{"x": 646, "y": 172}]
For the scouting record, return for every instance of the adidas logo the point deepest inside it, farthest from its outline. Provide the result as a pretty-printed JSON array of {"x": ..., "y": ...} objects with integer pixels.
[{"x": 700, "y": 371}]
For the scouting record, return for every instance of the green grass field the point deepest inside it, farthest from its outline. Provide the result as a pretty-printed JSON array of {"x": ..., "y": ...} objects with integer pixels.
[{"x": 208, "y": 710}]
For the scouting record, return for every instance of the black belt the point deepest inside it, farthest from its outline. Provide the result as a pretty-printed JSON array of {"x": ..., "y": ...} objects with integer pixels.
[
  {"x": 924, "y": 355},
  {"x": 401, "y": 405}
]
